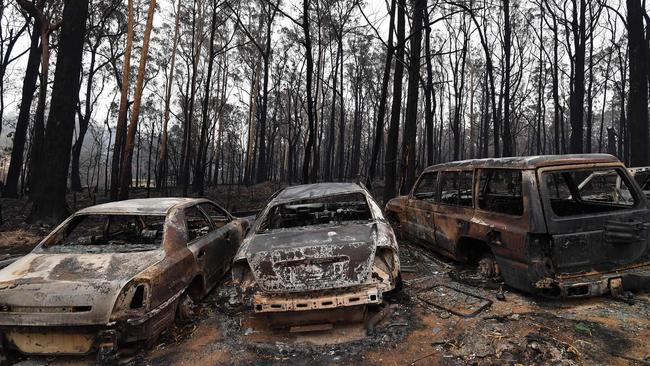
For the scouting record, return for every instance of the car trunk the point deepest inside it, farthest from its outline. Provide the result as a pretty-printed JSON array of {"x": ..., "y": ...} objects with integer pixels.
[
  {"x": 595, "y": 233},
  {"x": 599, "y": 243},
  {"x": 311, "y": 259}
]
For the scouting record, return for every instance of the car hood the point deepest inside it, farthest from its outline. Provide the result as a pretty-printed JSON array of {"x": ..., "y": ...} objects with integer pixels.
[
  {"x": 67, "y": 289},
  {"x": 311, "y": 259}
]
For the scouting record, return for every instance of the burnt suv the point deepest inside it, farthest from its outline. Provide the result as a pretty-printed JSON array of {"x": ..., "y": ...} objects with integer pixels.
[{"x": 562, "y": 226}]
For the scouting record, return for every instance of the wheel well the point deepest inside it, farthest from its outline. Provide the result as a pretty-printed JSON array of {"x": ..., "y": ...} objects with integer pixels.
[
  {"x": 471, "y": 250},
  {"x": 196, "y": 288}
]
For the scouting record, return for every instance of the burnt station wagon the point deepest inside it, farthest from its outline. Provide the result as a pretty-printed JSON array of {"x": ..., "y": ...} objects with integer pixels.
[
  {"x": 562, "y": 226},
  {"x": 317, "y": 254},
  {"x": 115, "y": 273}
]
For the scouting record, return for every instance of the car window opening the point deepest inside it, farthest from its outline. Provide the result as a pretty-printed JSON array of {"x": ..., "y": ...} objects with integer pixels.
[
  {"x": 580, "y": 192},
  {"x": 197, "y": 223},
  {"x": 643, "y": 179},
  {"x": 319, "y": 211},
  {"x": 500, "y": 191},
  {"x": 456, "y": 188},
  {"x": 427, "y": 188},
  {"x": 109, "y": 234}
]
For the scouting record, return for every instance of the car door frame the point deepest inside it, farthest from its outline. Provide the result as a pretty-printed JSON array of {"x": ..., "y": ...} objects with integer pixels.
[
  {"x": 421, "y": 213},
  {"x": 453, "y": 220},
  {"x": 228, "y": 236},
  {"x": 204, "y": 249}
]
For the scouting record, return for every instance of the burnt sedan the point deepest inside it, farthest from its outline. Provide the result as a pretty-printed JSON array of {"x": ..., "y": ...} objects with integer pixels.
[
  {"x": 316, "y": 254},
  {"x": 113, "y": 274}
]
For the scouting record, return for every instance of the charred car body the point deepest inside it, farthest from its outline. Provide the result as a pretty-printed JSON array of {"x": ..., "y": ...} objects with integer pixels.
[
  {"x": 114, "y": 274},
  {"x": 555, "y": 225},
  {"x": 316, "y": 251}
]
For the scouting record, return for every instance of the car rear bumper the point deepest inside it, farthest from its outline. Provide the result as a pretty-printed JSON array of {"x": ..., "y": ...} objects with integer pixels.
[
  {"x": 85, "y": 339},
  {"x": 597, "y": 284},
  {"x": 271, "y": 303}
]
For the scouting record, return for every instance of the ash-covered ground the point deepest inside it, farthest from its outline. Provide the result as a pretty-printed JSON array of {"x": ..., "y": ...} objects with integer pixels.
[{"x": 465, "y": 323}]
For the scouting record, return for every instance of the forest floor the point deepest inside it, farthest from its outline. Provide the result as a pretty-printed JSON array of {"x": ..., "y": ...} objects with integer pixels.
[{"x": 446, "y": 314}]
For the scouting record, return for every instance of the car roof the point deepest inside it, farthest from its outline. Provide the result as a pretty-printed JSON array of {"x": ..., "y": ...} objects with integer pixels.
[
  {"x": 527, "y": 162},
  {"x": 306, "y": 191},
  {"x": 143, "y": 206}
]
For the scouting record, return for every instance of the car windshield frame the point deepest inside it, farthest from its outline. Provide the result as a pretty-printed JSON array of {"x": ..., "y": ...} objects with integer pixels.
[
  {"x": 546, "y": 193},
  {"x": 260, "y": 229},
  {"x": 52, "y": 243}
]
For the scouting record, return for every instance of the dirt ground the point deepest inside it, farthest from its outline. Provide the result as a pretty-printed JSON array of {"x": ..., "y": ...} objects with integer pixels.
[{"x": 446, "y": 314}]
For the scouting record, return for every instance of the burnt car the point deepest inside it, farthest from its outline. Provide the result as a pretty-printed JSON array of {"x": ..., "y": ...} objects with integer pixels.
[
  {"x": 535, "y": 221},
  {"x": 115, "y": 273},
  {"x": 317, "y": 253}
]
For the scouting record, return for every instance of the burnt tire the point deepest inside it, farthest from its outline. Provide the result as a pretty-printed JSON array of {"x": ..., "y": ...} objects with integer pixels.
[
  {"x": 397, "y": 290},
  {"x": 107, "y": 357},
  {"x": 488, "y": 267},
  {"x": 185, "y": 309}
]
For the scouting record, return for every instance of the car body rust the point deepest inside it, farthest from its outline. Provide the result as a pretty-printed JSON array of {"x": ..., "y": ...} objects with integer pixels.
[
  {"x": 77, "y": 294},
  {"x": 544, "y": 224},
  {"x": 316, "y": 250}
]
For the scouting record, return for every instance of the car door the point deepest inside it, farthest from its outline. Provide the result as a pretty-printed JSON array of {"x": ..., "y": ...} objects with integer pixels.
[
  {"x": 420, "y": 213},
  {"x": 203, "y": 241},
  {"x": 228, "y": 233},
  {"x": 455, "y": 208}
]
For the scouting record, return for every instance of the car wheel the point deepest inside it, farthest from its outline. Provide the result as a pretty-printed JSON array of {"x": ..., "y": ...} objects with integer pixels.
[
  {"x": 399, "y": 286},
  {"x": 488, "y": 267},
  {"x": 185, "y": 309},
  {"x": 107, "y": 357}
]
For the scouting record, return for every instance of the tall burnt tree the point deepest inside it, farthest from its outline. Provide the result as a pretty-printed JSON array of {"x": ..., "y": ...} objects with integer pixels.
[
  {"x": 20, "y": 133},
  {"x": 393, "y": 128},
  {"x": 413, "y": 90},
  {"x": 120, "y": 130},
  {"x": 50, "y": 180},
  {"x": 383, "y": 99},
  {"x": 638, "y": 99}
]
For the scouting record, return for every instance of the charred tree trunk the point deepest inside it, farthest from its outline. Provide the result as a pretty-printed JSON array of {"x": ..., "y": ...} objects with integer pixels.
[
  {"x": 50, "y": 182},
  {"x": 10, "y": 189},
  {"x": 310, "y": 101},
  {"x": 120, "y": 129},
  {"x": 383, "y": 99},
  {"x": 507, "y": 135},
  {"x": 577, "y": 97},
  {"x": 199, "y": 169},
  {"x": 161, "y": 183},
  {"x": 638, "y": 99},
  {"x": 341, "y": 146},
  {"x": 410, "y": 124},
  {"x": 393, "y": 129}
]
